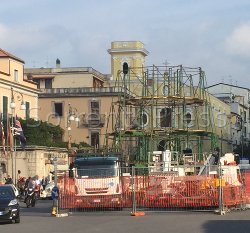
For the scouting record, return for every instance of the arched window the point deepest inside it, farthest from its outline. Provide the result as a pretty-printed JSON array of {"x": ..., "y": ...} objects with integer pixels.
[
  {"x": 162, "y": 146},
  {"x": 188, "y": 119},
  {"x": 144, "y": 119}
]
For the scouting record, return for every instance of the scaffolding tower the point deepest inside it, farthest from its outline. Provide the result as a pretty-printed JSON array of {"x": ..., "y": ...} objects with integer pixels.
[{"x": 161, "y": 107}]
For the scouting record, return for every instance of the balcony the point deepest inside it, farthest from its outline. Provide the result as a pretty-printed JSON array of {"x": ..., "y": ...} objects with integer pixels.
[
  {"x": 93, "y": 120},
  {"x": 82, "y": 91}
]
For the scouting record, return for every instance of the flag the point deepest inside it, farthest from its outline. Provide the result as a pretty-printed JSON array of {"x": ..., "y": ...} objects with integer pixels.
[
  {"x": 3, "y": 137},
  {"x": 20, "y": 134}
]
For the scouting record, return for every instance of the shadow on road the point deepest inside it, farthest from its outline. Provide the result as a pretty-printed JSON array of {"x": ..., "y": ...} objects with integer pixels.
[
  {"x": 229, "y": 226},
  {"x": 43, "y": 207}
]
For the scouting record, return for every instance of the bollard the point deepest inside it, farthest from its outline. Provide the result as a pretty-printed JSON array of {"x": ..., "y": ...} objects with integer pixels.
[{"x": 53, "y": 212}]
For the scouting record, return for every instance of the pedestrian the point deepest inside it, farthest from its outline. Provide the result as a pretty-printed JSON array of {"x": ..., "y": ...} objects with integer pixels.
[
  {"x": 18, "y": 174},
  {"x": 44, "y": 182},
  {"x": 8, "y": 180}
]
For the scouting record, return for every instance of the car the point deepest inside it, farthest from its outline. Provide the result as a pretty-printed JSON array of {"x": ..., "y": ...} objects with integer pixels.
[
  {"x": 9, "y": 206},
  {"x": 14, "y": 189},
  {"x": 46, "y": 193}
]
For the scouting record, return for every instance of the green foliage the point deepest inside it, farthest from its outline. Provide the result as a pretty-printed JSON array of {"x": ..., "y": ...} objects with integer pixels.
[{"x": 41, "y": 133}]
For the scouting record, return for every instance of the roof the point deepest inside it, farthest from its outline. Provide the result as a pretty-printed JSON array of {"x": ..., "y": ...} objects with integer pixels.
[
  {"x": 225, "y": 84},
  {"x": 9, "y": 55}
]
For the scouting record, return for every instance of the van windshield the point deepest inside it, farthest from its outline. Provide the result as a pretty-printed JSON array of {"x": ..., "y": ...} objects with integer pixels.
[
  {"x": 97, "y": 171},
  {"x": 96, "y": 167}
]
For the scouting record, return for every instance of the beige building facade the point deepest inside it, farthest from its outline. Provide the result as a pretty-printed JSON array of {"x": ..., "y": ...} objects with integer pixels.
[
  {"x": 78, "y": 100},
  {"x": 15, "y": 88},
  {"x": 238, "y": 99},
  {"x": 18, "y": 98}
]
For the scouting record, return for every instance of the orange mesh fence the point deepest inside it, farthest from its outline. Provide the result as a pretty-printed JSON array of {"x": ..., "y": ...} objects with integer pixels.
[
  {"x": 152, "y": 191},
  {"x": 246, "y": 183}
]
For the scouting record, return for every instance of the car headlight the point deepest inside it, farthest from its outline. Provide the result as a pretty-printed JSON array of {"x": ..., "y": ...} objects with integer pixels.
[{"x": 13, "y": 202}]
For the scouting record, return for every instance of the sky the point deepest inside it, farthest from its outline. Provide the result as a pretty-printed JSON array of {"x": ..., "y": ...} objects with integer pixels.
[{"x": 211, "y": 34}]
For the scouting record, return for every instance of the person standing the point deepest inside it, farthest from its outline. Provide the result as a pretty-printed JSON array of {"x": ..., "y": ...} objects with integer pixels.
[{"x": 8, "y": 180}]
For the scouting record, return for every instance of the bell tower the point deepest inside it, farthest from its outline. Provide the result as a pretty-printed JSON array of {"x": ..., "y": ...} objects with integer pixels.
[{"x": 131, "y": 52}]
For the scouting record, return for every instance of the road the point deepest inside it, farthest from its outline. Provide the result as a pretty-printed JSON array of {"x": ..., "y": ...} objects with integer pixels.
[{"x": 39, "y": 220}]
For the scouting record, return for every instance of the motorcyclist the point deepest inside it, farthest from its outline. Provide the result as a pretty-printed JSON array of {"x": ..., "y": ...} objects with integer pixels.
[{"x": 31, "y": 184}]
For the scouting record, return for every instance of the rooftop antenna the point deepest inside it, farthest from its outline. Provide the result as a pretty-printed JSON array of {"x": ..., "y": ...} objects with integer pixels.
[{"x": 166, "y": 62}]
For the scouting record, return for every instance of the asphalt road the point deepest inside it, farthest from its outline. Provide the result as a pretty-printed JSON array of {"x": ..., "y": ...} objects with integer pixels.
[{"x": 39, "y": 220}]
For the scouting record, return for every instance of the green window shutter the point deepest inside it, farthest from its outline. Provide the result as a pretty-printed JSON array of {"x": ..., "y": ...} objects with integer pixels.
[
  {"x": 27, "y": 111},
  {"x": 5, "y": 108}
]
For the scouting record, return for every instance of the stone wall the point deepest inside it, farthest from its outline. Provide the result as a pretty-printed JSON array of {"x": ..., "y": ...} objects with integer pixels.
[{"x": 34, "y": 161}]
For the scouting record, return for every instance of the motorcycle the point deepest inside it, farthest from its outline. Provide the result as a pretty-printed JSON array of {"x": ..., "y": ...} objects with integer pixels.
[{"x": 30, "y": 197}]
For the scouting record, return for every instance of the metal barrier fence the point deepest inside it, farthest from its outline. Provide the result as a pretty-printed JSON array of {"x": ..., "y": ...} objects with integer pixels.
[{"x": 141, "y": 189}]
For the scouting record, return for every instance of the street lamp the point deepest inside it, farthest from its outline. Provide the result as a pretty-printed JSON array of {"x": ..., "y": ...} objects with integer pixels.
[
  {"x": 72, "y": 116},
  {"x": 19, "y": 98}
]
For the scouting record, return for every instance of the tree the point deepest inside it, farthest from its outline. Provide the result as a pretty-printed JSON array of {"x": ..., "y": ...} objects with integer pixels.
[{"x": 41, "y": 133}]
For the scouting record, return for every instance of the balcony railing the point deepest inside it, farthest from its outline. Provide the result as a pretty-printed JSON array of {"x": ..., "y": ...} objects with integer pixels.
[{"x": 80, "y": 90}]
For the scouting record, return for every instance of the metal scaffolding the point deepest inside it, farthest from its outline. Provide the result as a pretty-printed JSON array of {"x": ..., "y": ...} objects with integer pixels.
[{"x": 161, "y": 107}]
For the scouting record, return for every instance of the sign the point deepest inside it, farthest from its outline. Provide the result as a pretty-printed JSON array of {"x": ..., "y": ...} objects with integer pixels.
[{"x": 55, "y": 193}]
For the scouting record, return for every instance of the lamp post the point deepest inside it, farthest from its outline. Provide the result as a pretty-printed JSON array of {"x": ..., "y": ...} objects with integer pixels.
[
  {"x": 19, "y": 98},
  {"x": 72, "y": 116}
]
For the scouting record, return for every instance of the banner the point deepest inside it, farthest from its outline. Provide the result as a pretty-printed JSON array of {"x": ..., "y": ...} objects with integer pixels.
[{"x": 20, "y": 134}]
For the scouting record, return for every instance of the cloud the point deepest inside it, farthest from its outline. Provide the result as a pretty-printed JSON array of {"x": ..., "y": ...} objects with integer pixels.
[{"x": 238, "y": 42}]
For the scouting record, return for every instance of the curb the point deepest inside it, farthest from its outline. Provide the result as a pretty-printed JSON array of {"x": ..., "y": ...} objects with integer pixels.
[{"x": 60, "y": 215}]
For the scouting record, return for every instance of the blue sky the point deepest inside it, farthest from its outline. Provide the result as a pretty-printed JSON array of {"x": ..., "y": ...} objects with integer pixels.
[{"x": 211, "y": 34}]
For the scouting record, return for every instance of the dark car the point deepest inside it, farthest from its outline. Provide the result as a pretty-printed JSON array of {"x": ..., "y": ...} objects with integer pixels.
[{"x": 9, "y": 206}]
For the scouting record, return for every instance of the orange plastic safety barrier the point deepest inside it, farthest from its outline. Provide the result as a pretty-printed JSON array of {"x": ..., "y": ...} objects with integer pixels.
[{"x": 152, "y": 191}]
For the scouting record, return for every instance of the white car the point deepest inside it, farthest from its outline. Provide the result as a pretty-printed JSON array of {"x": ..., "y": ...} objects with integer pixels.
[{"x": 46, "y": 193}]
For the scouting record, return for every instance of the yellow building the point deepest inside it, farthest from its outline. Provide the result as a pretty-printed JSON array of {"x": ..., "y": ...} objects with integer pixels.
[
  {"x": 18, "y": 98},
  {"x": 15, "y": 88},
  {"x": 76, "y": 99},
  {"x": 131, "y": 52}
]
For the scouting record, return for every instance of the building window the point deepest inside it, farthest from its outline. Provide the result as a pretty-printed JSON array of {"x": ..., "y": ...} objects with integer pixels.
[
  {"x": 97, "y": 83},
  {"x": 188, "y": 119},
  {"x": 165, "y": 90},
  {"x": 94, "y": 116},
  {"x": 95, "y": 107},
  {"x": 58, "y": 109},
  {"x": 48, "y": 83},
  {"x": 94, "y": 139},
  {"x": 16, "y": 75},
  {"x": 165, "y": 117},
  {"x": 144, "y": 119},
  {"x": 27, "y": 110},
  {"x": 37, "y": 81}
]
